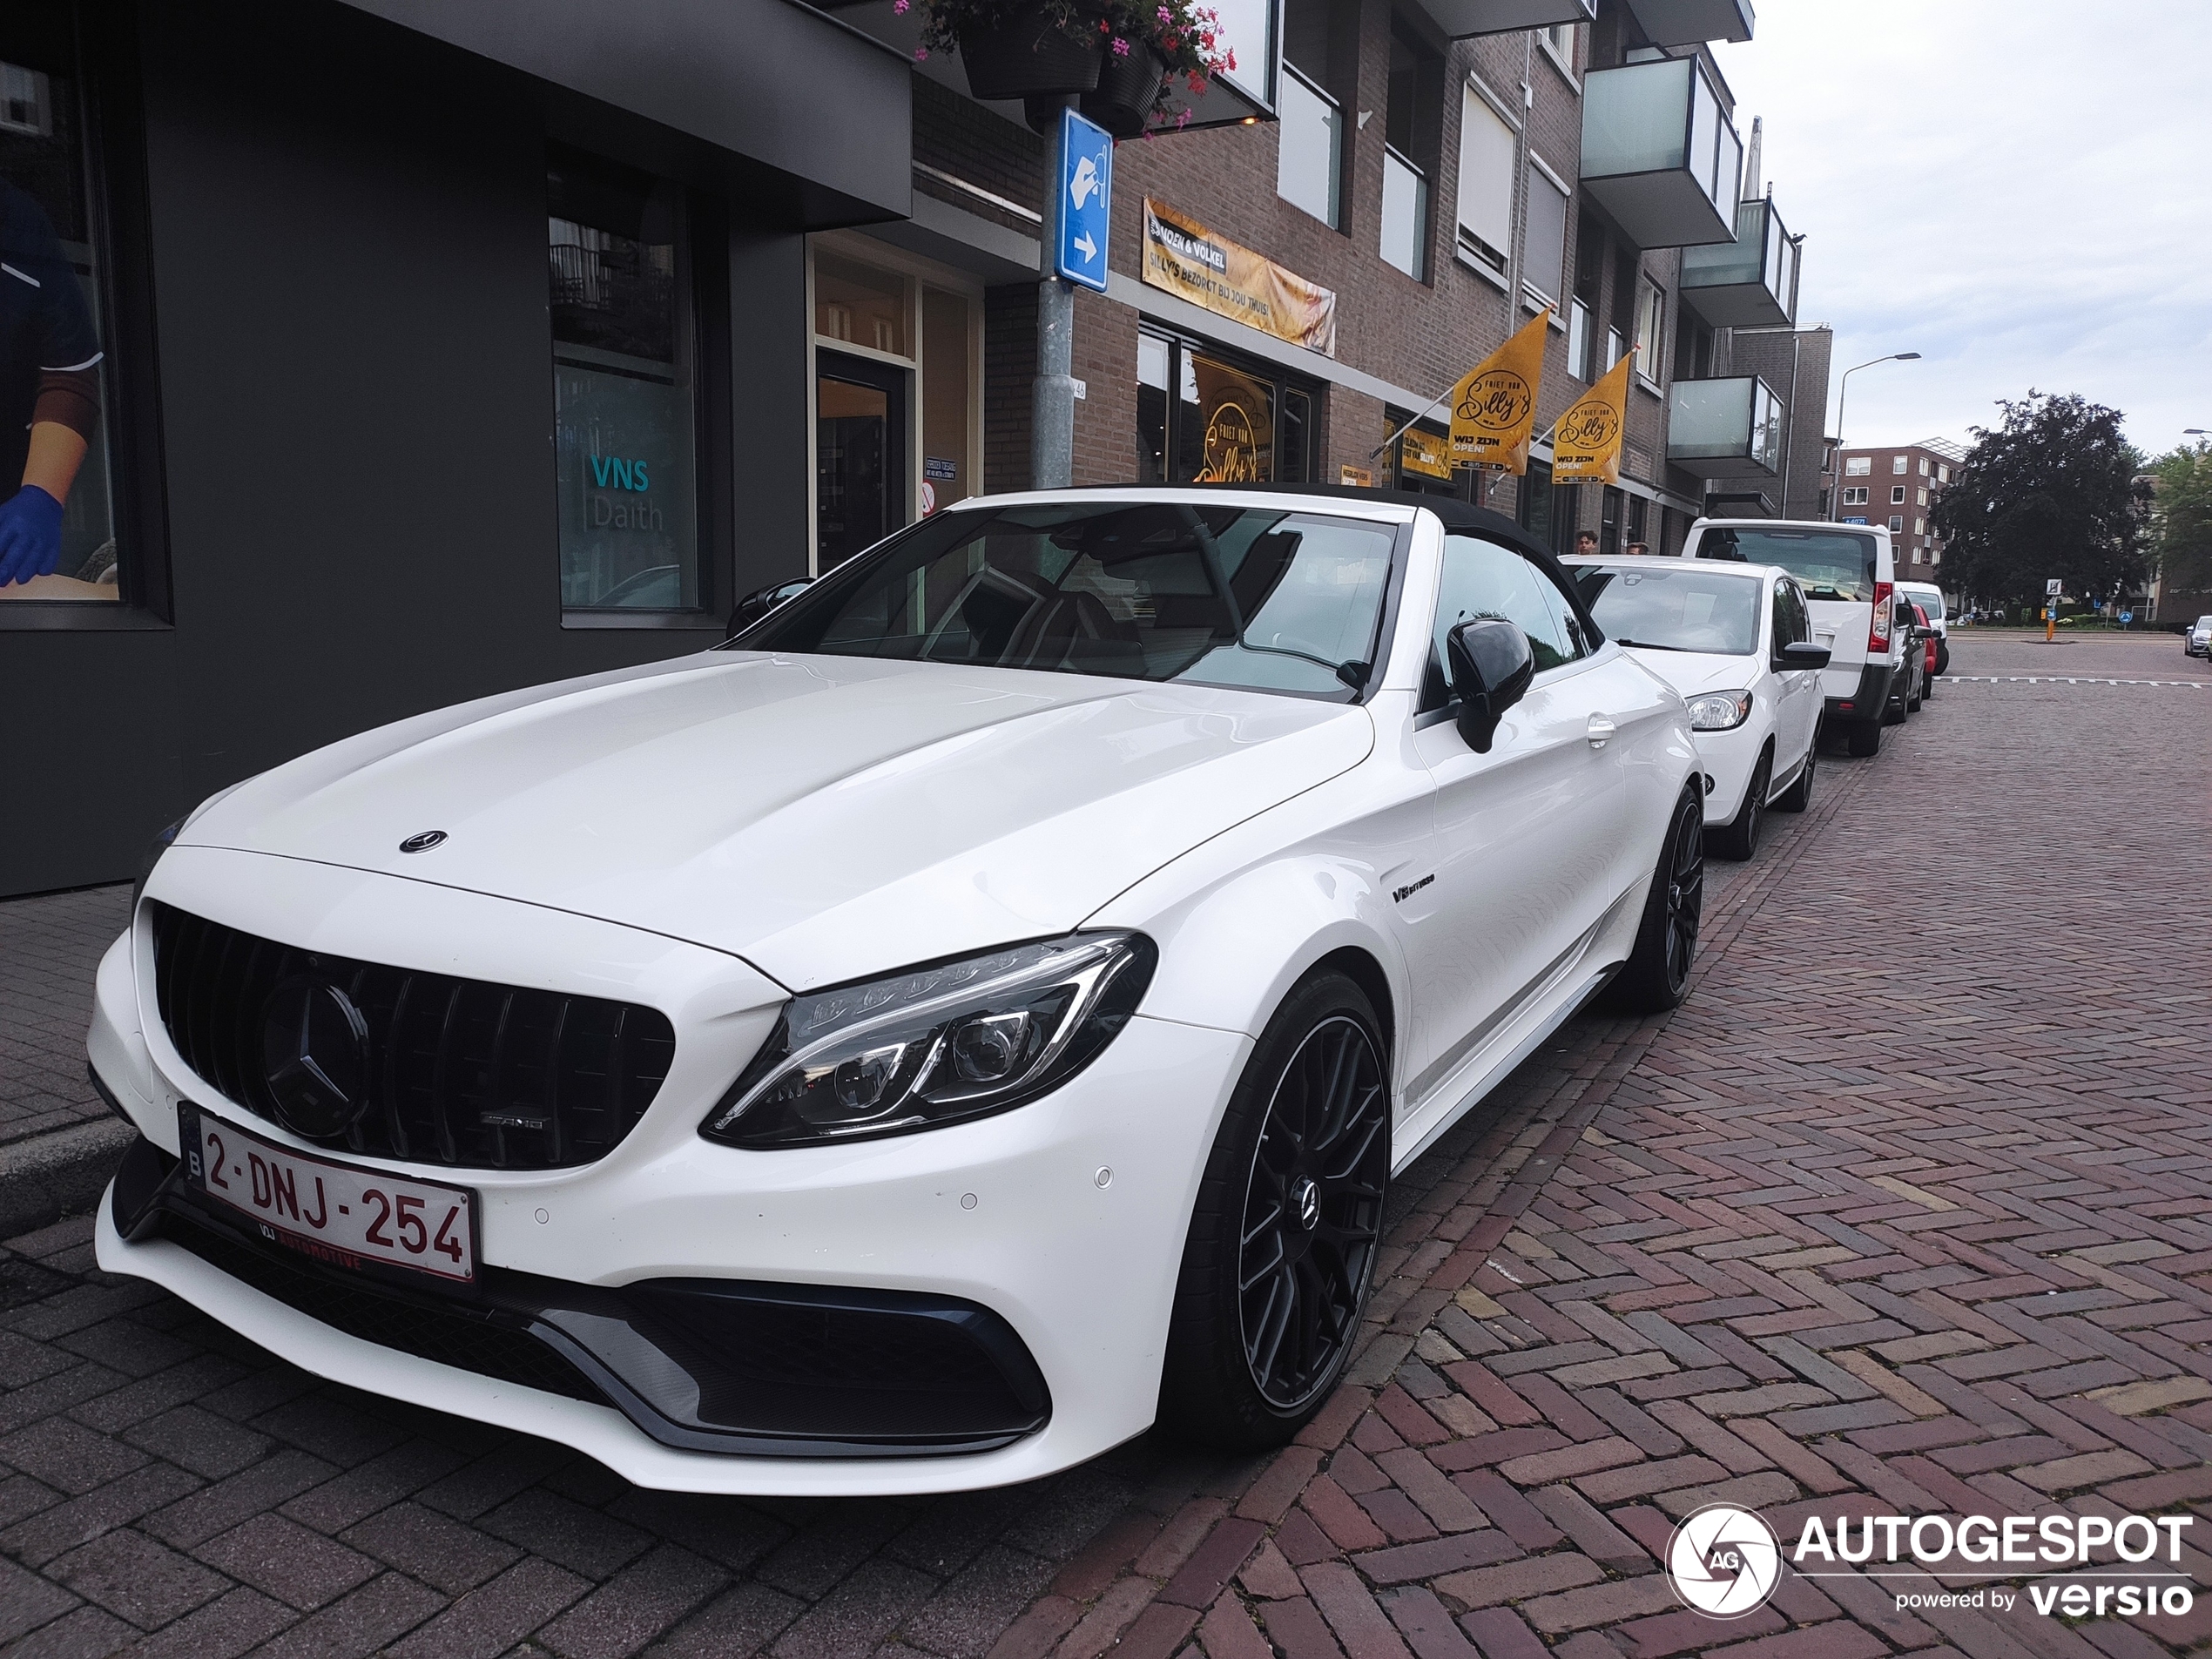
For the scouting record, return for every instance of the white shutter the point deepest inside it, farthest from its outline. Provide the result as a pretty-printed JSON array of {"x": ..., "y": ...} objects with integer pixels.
[{"x": 1485, "y": 179}]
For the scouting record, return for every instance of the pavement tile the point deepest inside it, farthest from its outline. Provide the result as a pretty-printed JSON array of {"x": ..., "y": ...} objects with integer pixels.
[
  {"x": 137, "y": 1578},
  {"x": 287, "y": 1561}
]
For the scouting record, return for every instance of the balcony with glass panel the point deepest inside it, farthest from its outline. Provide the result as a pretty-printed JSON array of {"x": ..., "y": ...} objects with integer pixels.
[
  {"x": 1685, "y": 23},
  {"x": 1749, "y": 283},
  {"x": 1659, "y": 153},
  {"x": 1405, "y": 214},
  {"x": 1461, "y": 19},
  {"x": 1727, "y": 426}
]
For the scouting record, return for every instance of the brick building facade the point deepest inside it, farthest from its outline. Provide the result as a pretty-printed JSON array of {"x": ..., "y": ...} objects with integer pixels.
[{"x": 1399, "y": 100}]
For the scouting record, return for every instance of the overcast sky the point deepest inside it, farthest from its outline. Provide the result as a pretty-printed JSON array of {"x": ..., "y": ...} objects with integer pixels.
[{"x": 2021, "y": 190}]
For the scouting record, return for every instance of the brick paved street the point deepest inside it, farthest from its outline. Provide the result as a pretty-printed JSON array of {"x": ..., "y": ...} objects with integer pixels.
[
  {"x": 1905, "y": 1211},
  {"x": 50, "y": 947}
]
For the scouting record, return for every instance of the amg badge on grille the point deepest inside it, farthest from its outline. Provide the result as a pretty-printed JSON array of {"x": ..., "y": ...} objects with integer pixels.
[{"x": 423, "y": 842}]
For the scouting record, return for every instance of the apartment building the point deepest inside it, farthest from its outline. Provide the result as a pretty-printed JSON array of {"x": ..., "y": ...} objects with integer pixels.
[{"x": 1899, "y": 487}]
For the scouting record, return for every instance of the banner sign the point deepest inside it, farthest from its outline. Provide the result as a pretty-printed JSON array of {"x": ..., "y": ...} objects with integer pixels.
[
  {"x": 1494, "y": 409},
  {"x": 1425, "y": 453},
  {"x": 1190, "y": 261},
  {"x": 1586, "y": 445}
]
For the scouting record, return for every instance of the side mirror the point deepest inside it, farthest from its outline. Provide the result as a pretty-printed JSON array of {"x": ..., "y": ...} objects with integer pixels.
[
  {"x": 760, "y": 602},
  {"x": 1805, "y": 654},
  {"x": 1490, "y": 664}
]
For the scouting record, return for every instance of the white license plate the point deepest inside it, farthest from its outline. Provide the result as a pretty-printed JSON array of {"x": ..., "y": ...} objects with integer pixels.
[{"x": 331, "y": 1211}]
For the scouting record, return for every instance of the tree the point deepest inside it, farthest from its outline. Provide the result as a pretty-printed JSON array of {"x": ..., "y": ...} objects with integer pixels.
[
  {"x": 2049, "y": 492},
  {"x": 2182, "y": 522}
]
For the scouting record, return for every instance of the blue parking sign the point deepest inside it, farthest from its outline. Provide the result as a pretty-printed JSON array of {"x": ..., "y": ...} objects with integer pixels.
[{"x": 1086, "y": 199}]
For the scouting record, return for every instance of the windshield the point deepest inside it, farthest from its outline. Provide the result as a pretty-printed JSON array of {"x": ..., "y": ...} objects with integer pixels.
[
  {"x": 1828, "y": 565},
  {"x": 1679, "y": 609},
  {"x": 1256, "y": 597},
  {"x": 1931, "y": 603}
]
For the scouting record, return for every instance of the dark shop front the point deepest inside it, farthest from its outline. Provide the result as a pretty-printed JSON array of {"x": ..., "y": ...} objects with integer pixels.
[{"x": 361, "y": 359}]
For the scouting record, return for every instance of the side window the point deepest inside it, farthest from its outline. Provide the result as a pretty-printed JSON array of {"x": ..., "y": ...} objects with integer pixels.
[{"x": 1483, "y": 579}]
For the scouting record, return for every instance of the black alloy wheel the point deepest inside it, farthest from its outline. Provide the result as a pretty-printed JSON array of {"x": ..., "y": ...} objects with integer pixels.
[
  {"x": 1312, "y": 1213},
  {"x": 1283, "y": 1235},
  {"x": 1656, "y": 975}
]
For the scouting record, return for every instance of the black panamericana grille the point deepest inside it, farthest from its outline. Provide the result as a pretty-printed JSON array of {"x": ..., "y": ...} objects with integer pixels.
[{"x": 462, "y": 1072}]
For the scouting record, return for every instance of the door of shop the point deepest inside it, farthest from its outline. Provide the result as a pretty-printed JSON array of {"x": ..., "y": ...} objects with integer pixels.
[{"x": 860, "y": 454}]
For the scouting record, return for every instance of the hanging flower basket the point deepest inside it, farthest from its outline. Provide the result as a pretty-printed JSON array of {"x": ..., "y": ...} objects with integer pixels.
[
  {"x": 1031, "y": 54},
  {"x": 1126, "y": 59},
  {"x": 1129, "y": 87}
]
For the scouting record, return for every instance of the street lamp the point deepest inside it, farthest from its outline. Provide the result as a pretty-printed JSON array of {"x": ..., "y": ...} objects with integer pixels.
[{"x": 1836, "y": 496}]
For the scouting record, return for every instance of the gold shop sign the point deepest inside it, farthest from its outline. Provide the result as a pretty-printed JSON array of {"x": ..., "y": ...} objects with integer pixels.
[
  {"x": 1426, "y": 454},
  {"x": 1184, "y": 257}
]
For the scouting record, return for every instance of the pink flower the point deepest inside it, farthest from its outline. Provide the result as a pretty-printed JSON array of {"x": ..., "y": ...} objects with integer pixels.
[
  {"x": 921, "y": 52},
  {"x": 899, "y": 7},
  {"x": 1121, "y": 49},
  {"x": 1166, "y": 17}
]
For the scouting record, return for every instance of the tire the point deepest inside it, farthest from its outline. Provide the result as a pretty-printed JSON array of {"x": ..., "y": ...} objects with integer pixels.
[
  {"x": 1864, "y": 738},
  {"x": 1739, "y": 837},
  {"x": 1943, "y": 657},
  {"x": 1281, "y": 1253},
  {"x": 1798, "y": 796},
  {"x": 1917, "y": 695},
  {"x": 1656, "y": 975},
  {"x": 1895, "y": 711},
  {"x": 1927, "y": 686}
]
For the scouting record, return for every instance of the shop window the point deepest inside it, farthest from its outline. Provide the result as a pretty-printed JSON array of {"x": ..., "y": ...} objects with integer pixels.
[
  {"x": 1152, "y": 355},
  {"x": 1225, "y": 426},
  {"x": 59, "y": 524},
  {"x": 625, "y": 447},
  {"x": 947, "y": 460},
  {"x": 1545, "y": 260},
  {"x": 1487, "y": 146},
  {"x": 1225, "y": 422},
  {"x": 860, "y": 306},
  {"x": 1295, "y": 442},
  {"x": 860, "y": 455}
]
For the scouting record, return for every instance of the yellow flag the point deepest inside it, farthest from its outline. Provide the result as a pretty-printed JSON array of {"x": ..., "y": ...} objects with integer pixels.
[
  {"x": 1586, "y": 445},
  {"x": 1494, "y": 409}
]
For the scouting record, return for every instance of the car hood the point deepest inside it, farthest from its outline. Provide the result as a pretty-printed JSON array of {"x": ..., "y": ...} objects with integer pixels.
[
  {"x": 1693, "y": 673},
  {"x": 825, "y": 817}
]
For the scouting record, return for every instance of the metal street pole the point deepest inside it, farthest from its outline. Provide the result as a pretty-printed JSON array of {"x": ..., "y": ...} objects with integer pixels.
[
  {"x": 1052, "y": 403},
  {"x": 1842, "y": 393}
]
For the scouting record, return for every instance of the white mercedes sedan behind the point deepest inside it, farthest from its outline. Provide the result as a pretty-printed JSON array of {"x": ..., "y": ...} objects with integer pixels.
[
  {"x": 971, "y": 1015},
  {"x": 1736, "y": 641}
]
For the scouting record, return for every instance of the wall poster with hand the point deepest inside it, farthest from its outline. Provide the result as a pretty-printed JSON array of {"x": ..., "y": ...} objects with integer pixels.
[{"x": 56, "y": 519}]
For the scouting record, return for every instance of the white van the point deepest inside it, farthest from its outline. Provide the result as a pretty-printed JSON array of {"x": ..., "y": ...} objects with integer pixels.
[{"x": 1850, "y": 576}]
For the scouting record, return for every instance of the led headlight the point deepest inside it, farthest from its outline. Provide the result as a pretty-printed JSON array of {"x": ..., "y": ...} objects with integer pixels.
[
  {"x": 1719, "y": 710},
  {"x": 935, "y": 1045}
]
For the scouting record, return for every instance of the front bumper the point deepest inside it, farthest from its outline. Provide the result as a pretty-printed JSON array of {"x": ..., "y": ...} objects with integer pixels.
[
  {"x": 1063, "y": 1221},
  {"x": 1728, "y": 758}
]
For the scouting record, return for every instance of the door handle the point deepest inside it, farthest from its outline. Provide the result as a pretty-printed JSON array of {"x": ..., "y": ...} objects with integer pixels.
[{"x": 1599, "y": 730}]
